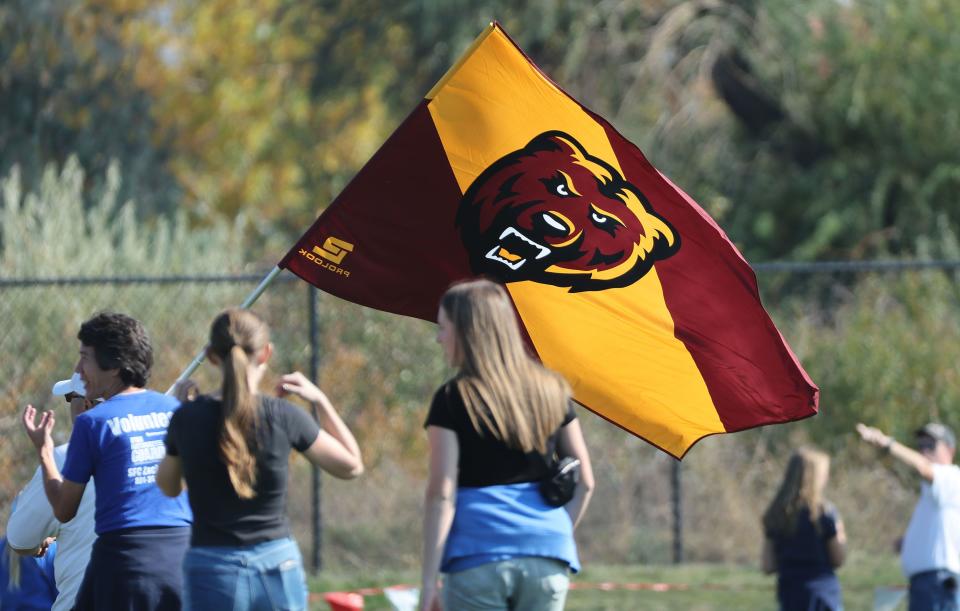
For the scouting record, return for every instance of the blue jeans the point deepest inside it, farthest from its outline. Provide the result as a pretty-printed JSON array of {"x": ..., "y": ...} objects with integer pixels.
[
  {"x": 805, "y": 593},
  {"x": 263, "y": 576},
  {"x": 526, "y": 583},
  {"x": 934, "y": 591}
]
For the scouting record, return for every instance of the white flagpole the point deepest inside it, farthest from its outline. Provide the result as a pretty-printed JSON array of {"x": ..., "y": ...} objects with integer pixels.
[{"x": 253, "y": 296}]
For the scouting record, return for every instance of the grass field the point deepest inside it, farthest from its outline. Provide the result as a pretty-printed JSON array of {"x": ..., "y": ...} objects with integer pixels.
[{"x": 708, "y": 586}]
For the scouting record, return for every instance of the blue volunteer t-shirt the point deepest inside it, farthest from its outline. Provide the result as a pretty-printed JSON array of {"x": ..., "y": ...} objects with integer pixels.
[{"x": 120, "y": 444}]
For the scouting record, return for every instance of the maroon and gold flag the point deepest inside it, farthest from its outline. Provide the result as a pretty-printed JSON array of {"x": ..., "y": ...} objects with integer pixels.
[{"x": 622, "y": 282}]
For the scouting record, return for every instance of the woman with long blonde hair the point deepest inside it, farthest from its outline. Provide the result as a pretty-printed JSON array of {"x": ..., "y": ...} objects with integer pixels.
[
  {"x": 805, "y": 540},
  {"x": 493, "y": 429},
  {"x": 233, "y": 451}
]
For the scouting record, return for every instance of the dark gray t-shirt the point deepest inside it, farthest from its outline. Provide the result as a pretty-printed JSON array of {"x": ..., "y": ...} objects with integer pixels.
[{"x": 220, "y": 517}]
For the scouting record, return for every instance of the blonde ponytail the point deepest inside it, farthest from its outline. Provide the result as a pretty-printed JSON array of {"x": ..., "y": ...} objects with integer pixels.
[{"x": 237, "y": 335}]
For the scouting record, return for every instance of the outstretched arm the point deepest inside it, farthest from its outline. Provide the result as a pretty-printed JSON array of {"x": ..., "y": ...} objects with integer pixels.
[
  {"x": 909, "y": 456},
  {"x": 64, "y": 496}
]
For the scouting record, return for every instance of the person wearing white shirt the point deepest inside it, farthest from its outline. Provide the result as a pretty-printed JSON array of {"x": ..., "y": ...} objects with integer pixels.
[
  {"x": 32, "y": 522},
  {"x": 930, "y": 554}
]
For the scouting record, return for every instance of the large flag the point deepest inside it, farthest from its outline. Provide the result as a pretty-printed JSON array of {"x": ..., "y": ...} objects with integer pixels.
[{"x": 622, "y": 282}]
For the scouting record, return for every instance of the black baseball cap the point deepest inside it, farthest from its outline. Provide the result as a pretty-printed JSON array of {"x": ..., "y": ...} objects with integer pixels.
[{"x": 940, "y": 432}]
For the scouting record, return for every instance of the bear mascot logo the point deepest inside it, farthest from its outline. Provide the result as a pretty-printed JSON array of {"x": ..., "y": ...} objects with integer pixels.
[{"x": 552, "y": 213}]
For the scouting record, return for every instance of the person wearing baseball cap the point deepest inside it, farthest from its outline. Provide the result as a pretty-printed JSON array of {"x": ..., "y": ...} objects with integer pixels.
[
  {"x": 142, "y": 535},
  {"x": 32, "y": 524},
  {"x": 930, "y": 554}
]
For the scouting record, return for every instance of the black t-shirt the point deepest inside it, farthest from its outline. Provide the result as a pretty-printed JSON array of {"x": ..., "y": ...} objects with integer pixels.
[
  {"x": 484, "y": 460},
  {"x": 803, "y": 554},
  {"x": 220, "y": 517}
]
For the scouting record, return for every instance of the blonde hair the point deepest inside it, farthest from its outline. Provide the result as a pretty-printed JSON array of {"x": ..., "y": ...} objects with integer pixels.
[
  {"x": 802, "y": 488},
  {"x": 13, "y": 568},
  {"x": 505, "y": 390},
  {"x": 235, "y": 337}
]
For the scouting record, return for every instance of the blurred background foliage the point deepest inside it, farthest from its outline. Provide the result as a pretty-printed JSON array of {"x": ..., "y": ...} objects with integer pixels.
[
  {"x": 820, "y": 129},
  {"x": 204, "y": 136},
  {"x": 816, "y": 130}
]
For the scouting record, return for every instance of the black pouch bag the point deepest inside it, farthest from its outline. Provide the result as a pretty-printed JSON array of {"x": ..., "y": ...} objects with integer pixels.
[{"x": 560, "y": 482}]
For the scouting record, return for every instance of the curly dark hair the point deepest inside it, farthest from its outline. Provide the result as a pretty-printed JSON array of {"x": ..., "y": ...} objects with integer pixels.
[{"x": 119, "y": 342}]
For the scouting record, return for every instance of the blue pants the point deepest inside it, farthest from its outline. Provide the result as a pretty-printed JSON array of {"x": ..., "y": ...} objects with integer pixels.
[
  {"x": 820, "y": 593},
  {"x": 267, "y": 575},
  {"x": 934, "y": 591}
]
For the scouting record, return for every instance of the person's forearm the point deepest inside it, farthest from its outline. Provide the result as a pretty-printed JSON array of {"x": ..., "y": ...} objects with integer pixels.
[
  {"x": 52, "y": 480},
  {"x": 333, "y": 424},
  {"x": 906, "y": 455},
  {"x": 578, "y": 504},
  {"x": 570, "y": 443},
  {"x": 912, "y": 458},
  {"x": 837, "y": 552},
  {"x": 170, "y": 476},
  {"x": 437, "y": 519}
]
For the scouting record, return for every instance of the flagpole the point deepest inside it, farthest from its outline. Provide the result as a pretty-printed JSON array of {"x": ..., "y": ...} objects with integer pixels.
[{"x": 252, "y": 297}]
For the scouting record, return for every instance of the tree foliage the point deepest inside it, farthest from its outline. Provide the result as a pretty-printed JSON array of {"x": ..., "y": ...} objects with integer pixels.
[
  {"x": 277, "y": 104},
  {"x": 814, "y": 130},
  {"x": 67, "y": 87},
  {"x": 52, "y": 228},
  {"x": 840, "y": 144}
]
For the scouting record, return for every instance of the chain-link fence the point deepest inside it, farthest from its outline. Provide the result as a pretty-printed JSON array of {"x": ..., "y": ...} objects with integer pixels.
[
  {"x": 377, "y": 368},
  {"x": 381, "y": 371}
]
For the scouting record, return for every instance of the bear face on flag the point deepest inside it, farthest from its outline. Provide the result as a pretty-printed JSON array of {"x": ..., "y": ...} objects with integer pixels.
[{"x": 551, "y": 212}]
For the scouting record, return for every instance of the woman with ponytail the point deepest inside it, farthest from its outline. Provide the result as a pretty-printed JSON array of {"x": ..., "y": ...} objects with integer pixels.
[
  {"x": 493, "y": 428},
  {"x": 231, "y": 450}
]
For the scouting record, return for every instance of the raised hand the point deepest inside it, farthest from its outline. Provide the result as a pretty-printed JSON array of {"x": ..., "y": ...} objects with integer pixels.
[
  {"x": 873, "y": 435},
  {"x": 296, "y": 383},
  {"x": 41, "y": 550},
  {"x": 40, "y": 434},
  {"x": 186, "y": 390}
]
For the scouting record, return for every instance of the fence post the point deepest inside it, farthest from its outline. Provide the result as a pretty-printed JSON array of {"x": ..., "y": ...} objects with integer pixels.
[
  {"x": 316, "y": 516},
  {"x": 677, "y": 494}
]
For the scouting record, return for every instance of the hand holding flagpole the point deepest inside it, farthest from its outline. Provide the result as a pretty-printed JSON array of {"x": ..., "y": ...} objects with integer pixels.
[{"x": 251, "y": 298}]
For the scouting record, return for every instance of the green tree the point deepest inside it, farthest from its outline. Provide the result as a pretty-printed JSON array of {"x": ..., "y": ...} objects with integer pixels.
[
  {"x": 838, "y": 123},
  {"x": 67, "y": 87}
]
